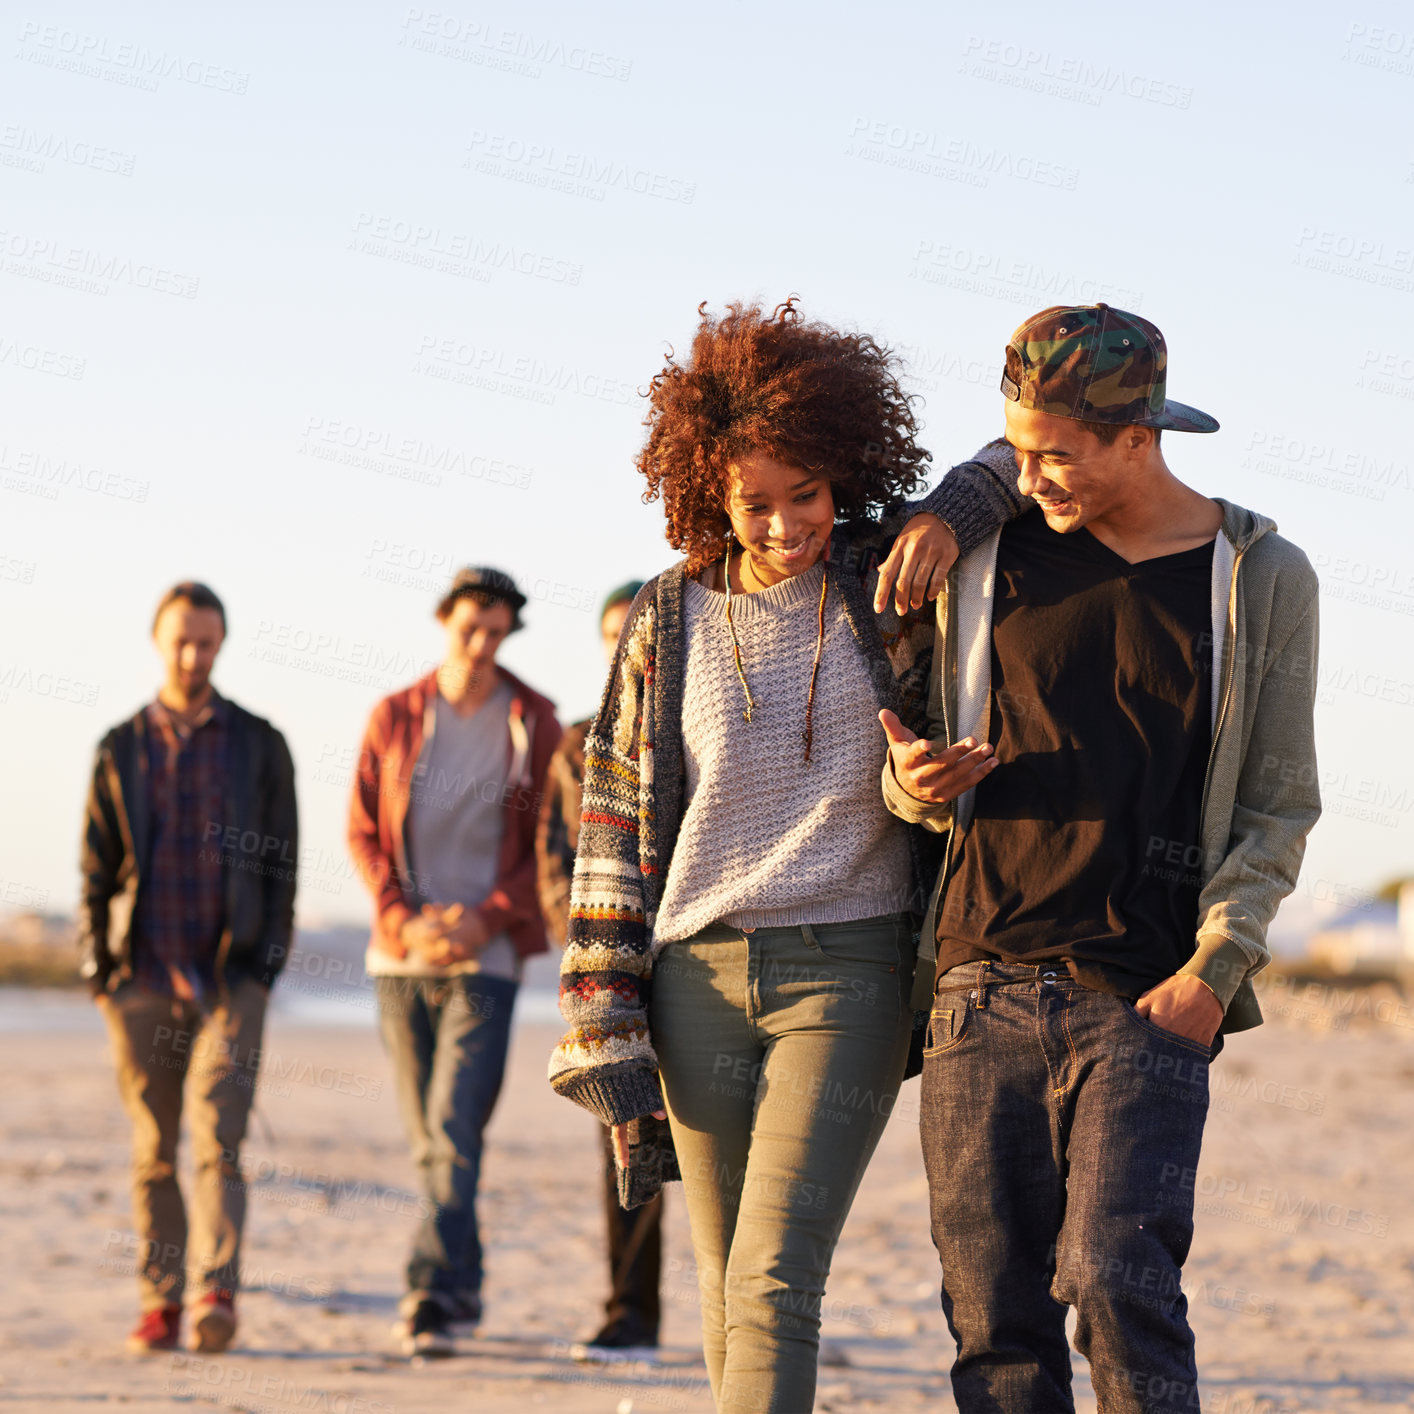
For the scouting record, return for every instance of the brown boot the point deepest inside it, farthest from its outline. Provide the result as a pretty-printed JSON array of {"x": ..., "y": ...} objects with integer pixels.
[{"x": 214, "y": 1322}]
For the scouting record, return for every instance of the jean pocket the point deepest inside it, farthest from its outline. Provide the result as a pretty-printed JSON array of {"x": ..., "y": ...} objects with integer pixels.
[
  {"x": 1172, "y": 1037},
  {"x": 947, "y": 1023},
  {"x": 869, "y": 943}
]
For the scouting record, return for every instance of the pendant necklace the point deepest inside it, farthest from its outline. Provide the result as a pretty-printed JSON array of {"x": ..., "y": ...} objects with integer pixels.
[{"x": 808, "y": 735}]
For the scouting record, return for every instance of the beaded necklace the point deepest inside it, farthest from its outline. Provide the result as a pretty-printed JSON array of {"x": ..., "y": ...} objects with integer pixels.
[{"x": 808, "y": 735}]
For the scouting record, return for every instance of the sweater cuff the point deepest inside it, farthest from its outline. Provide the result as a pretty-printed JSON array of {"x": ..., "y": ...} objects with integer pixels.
[
  {"x": 909, "y": 808},
  {"x": 614, "y": 1096},
  {"x": 1220, "y": 963},
  {"x": 978, "y": 496}
]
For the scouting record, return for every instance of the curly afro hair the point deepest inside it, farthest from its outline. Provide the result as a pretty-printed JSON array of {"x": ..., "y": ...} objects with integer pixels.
[{"x": 796, "y": 390}]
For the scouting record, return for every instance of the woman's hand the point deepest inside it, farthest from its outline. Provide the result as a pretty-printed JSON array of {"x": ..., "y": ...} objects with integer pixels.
[
  {"x": 917, "y": 567},
  {"x": 620, "y": 1132}
]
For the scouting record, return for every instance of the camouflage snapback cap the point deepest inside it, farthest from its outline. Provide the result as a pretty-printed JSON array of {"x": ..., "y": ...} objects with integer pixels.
[{"x": 1097, "y": 364}]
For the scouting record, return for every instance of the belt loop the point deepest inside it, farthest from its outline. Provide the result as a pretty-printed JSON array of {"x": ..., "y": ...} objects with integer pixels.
[
  {"x": 981, "y": 985},
  {"x": 808, "y": 933}
]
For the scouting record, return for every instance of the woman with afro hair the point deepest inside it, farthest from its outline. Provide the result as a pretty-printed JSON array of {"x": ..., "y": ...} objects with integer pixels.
[{"x": 743, "y": 913}]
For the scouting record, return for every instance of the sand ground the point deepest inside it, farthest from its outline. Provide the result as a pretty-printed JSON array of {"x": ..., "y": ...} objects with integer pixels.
[{"x": 1301, "y": 1279}]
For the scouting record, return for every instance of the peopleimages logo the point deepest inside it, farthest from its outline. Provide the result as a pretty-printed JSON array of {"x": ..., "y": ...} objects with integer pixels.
[
  {"x": 457, "y": 253},
  {"x": 998, "y": 276},
  {"x": 475, "y": 42},
  {"x": 933, "y": 154},
  {"x": 1368, "y": 259},
  {"x": 519, "y": 375},
  {"x": 21, "y": 146},
  {"x": 31, "y": 470},
  {"x": 1388, "y": 372},
  {"x": 57, "y": 687},
  {"x": 38, "y": 359},
  {"x": 575, "y": 173},
  {"x": 409, "y": 458},
  {"x": 1059, "y": 76},
  {"x": 1375, "y": 47},
  {"x": 55, "y": 261},
  {"x": 1313, "y": 461},
  {"x": 58, "y": 47}
]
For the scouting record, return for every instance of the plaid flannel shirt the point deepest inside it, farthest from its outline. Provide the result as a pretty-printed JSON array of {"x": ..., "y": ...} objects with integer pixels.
[{"x": 181, "y": 907}]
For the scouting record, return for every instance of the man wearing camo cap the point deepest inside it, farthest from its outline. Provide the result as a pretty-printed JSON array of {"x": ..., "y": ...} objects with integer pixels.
[{"x": 1122, "y": 758}]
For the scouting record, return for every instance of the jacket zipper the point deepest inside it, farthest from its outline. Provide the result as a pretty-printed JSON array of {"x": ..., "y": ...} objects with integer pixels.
[
  {"x": 1227, "y": 669},
  {"x": 949, "y": 713},
  {"x": 930, "y": 914}
]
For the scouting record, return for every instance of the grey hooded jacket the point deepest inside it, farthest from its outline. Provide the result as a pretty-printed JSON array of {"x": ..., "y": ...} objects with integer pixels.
[{"x": 1261, "y": 795}]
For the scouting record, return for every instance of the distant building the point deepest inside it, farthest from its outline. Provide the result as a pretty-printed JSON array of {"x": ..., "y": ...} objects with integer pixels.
[{"x": 1374, "y": 939}]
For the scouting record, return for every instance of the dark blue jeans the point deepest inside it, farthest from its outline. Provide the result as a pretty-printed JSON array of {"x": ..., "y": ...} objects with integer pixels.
[
  {"x": 447, "y": 1037},
  {"x": 1061, "y": 1134}
]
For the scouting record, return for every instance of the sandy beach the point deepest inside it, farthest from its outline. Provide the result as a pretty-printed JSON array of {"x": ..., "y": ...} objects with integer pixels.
[{"x": 1301, "y": 1280}]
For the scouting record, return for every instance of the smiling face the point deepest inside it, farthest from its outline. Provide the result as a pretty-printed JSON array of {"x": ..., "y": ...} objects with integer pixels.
[
  {"x": 781, "y": 514},
  {"x": 1073, "y": 476}
]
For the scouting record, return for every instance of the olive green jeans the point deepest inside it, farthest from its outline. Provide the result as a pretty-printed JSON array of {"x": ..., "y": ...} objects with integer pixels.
[{"x": 781, "y": 1051}]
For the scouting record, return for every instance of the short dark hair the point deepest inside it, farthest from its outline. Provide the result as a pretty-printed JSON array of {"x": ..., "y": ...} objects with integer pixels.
[
  {"x": 485, "y": 597},
  {"x": 1108, "y": 432},
  {"x": 195, "y": 593}
]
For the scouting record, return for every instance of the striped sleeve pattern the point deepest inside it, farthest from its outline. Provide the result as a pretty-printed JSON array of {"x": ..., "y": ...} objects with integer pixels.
[{"x": 605, "y": 1060}]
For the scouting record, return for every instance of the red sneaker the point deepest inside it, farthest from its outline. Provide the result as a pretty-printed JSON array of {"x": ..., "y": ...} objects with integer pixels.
[
  {"x": 214, "y": 1323},
  {"x": 156, "y": 1331}
]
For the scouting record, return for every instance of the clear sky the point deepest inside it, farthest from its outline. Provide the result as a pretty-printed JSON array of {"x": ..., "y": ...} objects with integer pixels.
[{"x": 317, "y": 303}]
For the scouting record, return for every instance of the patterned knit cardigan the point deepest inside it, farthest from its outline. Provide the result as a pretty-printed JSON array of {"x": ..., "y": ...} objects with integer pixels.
[{"x": 633, "y": 784}]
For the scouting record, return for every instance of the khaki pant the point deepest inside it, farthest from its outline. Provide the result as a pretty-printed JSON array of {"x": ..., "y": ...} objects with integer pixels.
[
  {"x": 159, "y": 1045},
  {"x": 781, "y": 1051}
]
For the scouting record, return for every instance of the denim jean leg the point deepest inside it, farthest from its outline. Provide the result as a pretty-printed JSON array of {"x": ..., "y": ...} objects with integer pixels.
[
  {"x": 831, "y": 1000},
  {"x": 709, "y": 1057},
  {"x": 1135, "y": 1131},
  {"x": 997, "y": 1188},
  {"x": 405, "y": 1025},
  {"x": 472, "y": 1021}
]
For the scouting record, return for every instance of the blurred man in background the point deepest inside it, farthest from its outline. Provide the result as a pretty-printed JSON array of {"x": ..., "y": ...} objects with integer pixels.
[
  {"x": 630, "y": 1328},
  {"x": 442, "y": 829},
  {"x": 188, "y": 861}
]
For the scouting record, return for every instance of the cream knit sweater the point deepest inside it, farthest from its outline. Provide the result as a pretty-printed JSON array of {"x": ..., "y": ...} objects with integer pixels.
[{"x": 767, "y": 840}]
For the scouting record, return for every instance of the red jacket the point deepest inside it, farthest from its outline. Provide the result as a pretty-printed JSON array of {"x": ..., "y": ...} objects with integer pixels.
[{"x": 379, "y": 806}]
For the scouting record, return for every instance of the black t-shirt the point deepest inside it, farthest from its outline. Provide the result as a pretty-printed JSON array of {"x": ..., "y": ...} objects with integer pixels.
[{"x": 1083, "y": 846}]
